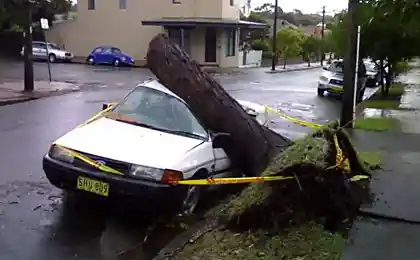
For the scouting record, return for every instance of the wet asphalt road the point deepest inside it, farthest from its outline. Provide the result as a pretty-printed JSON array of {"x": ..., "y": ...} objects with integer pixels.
[{"x": 35, "y": 220}]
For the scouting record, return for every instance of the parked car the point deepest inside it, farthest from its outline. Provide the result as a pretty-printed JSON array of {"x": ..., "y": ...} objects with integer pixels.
[
  {"x": 373, "y": 76},
  {"x": 332, "y": 80},
  {"x": 148, "y": 138},
  {"x": 109, "y": 55},
  {"x": 55, "y": 53}
]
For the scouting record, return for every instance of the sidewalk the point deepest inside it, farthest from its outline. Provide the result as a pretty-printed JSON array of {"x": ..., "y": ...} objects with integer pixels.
[
  {"x": 390, "y": 228},
  {"x": 12, "y": 92},
  {"x": 294, "y": 67}
]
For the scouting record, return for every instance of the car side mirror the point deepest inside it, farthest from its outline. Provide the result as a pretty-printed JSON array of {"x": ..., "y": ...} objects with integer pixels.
[
  {"x": 105, "y": 106},
  {"x": 220, "y": 140}
]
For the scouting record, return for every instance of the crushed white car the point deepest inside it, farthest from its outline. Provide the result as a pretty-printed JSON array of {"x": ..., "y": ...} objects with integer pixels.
[{"x": 138, "y": 146}]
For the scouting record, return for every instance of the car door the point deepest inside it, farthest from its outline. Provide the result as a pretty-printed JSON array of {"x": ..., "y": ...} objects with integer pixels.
[
  {"x": 39, "y": 50},
  {"x": 107, "y": 55},
  {"x": 97, "y": 54},
  {"x": 222, "y": 163}
]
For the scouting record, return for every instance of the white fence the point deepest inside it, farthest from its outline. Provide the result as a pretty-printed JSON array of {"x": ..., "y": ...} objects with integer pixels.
[{"x": 252, "y": 59}]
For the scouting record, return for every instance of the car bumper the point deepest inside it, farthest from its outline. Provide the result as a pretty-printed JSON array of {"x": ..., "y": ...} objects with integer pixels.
[
  {"x": 63, "y": 175},
  {"x": 65, "y": 58},
  {"x": 336, "y": 89}
]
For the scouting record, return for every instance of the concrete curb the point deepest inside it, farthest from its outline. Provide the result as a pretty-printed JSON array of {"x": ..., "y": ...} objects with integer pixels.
[
  {"x": 291, "y": 70},
  {"x": 12, "y": 101},
  {"x": 35, "y": 96}
]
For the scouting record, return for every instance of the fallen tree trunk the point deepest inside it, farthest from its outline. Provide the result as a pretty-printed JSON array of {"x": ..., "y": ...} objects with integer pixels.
[{"x": 251, "y": 145}]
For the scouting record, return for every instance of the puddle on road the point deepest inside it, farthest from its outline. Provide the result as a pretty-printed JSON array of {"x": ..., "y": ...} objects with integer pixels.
[{"x": 39, "y": 222}]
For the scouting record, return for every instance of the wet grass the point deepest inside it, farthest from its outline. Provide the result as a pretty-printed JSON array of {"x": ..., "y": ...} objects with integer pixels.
[
  {"x": 390, "y": 101},
  {"x": 283, "y": 220},
  {"x": 307, "y": 241},
  {"x": 373, "y": 160},
  {"x": 378, "y": 124}
]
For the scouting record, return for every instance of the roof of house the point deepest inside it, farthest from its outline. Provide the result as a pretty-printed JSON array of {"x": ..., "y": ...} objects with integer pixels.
[{"x": 192, "y": 22}]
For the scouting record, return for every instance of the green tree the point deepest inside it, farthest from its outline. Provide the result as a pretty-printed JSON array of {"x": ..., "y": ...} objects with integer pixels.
[
  {"x": 289, "y": 42},
  {"x": 13, "y": 13},
  {"x": 311, "y": 45},
  {"x": 390, "y": 33}
]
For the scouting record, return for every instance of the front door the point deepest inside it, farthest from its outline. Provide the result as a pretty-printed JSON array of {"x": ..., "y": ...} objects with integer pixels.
[{"x": 211, "y": 45}]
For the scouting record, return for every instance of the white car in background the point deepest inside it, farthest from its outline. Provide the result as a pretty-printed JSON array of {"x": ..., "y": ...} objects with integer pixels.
[
  {"x": 54, "y": 53},
  {"x": 332, "y": 80},
  {"x": 141, "y": 144}
]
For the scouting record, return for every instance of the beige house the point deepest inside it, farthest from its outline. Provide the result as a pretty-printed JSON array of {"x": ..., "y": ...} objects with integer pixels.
[{"x": 207, "y": 30}]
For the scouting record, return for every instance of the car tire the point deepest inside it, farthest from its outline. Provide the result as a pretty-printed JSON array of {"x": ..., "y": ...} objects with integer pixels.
[
  {"x": 192, "y": 196},
  {"x": 90, "y": 60},
  {"x": 321, "y": 92},
  {"x": 116, "y": 63},
  {"x": 52, "y": 58}
]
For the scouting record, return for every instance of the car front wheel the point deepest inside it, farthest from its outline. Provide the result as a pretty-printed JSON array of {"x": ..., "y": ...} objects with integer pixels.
[
  {"x": 90, "y": 61},
  {"x": 51, "y": 58},
  {"x": 116, "y": 62},
  {"x": 191, "y": 200},
  {"x": 321, "y": 92}
]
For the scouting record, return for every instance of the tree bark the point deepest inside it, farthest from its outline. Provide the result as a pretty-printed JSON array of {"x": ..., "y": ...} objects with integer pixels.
[{"x": 251, "y": 145}]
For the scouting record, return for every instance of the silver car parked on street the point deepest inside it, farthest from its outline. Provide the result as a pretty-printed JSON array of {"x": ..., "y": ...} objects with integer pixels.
[{"x": 55, "y": 53}]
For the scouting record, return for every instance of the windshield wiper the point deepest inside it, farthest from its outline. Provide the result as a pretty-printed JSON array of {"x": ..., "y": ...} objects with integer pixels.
[
  {"x": 184, "y": 133},
  {"x": 139, "y": 124}
]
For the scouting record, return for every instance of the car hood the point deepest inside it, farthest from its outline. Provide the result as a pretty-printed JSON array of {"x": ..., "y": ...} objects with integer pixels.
[
  {"x": 333, "y": 75},
  {"x": 128, "y": 143}
]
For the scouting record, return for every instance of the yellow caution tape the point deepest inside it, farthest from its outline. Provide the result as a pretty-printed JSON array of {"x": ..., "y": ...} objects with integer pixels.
[
  {"x": 213, "y": 181},
  {"x": 294, "y": 120},
  {"x": 359, "y": 178},
  {"x": 91, "y": 162},
  {"x": 342, "y": 161},
  {"x": 98, "y": 115}
]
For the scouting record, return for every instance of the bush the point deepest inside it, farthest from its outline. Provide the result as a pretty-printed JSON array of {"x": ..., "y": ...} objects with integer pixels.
[
  {"x": 401, "y": 67},
  {"x": 267, "y": 55},
  {"x": 260, "y": 45}
]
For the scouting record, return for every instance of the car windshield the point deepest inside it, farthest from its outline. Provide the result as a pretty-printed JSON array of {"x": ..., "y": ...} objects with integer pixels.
[
  {"x": 337, "y": 67},
  {"x": 53, "y": 46},
  {"x": 157, "y": 110},
  {"x": 371, "y": 67}
]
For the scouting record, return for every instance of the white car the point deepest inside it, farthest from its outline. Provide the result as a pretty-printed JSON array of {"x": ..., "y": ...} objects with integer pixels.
[
  {"x": 332, "y": 80},
  {"x": 55, "y": 53},
  {"x": 140, "y": 145}
]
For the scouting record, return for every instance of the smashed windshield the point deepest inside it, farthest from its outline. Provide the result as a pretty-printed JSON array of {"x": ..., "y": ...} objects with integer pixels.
[
  {"x": 157, "y": 110},
  {"x": 337, "y": 67}
]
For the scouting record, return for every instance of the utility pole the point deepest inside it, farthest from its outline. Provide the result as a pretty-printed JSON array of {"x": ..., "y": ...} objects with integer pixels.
[
  {"x": 28, "y": 59},
  {"x": 274, "y": 58},
  {"x": 322, "y": 35},
  {"x": 350, "y": 58}
]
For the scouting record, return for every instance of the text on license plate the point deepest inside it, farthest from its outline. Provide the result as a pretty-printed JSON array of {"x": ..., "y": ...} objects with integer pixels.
[{"x": 94, "y": 186}]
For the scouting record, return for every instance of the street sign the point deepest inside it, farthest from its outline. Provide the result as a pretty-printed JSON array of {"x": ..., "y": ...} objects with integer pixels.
[{"x": 44, "y": 24}]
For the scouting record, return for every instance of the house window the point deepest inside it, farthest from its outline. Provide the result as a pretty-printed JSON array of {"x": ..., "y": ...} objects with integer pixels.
[
  {"x": 176, "y": 2},
  {"x": 230, "y": 42},
  {"x": 91, "y": 4},
  {"x": 231, "y": 2},
  {"x": 123, "y": 4}
]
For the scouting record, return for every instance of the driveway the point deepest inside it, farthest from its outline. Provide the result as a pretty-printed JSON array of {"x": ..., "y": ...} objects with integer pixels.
[{"x": 35, "y": 219}]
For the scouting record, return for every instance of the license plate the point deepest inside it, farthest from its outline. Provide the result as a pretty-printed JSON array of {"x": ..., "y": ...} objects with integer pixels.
[{"x": 94, "y": 186}]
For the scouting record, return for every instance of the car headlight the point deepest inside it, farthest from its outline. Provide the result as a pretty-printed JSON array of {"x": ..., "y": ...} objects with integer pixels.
[
  {"x": 323, "y": 79},
  {"x": 60, "y": 154},
  {"x": 146, "y": 172}
]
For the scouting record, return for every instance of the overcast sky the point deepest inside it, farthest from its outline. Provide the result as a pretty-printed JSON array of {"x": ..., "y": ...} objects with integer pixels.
[{"x": 306, "y": 6}]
